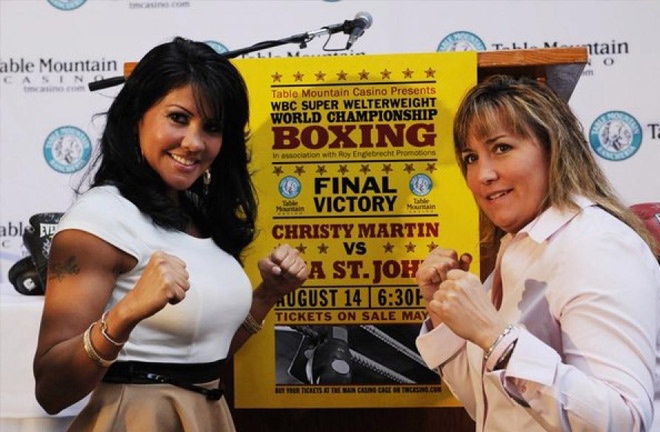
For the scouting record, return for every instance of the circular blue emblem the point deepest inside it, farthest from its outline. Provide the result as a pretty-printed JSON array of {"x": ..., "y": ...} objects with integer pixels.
[
  {"x": 461, "y": 41},
  {"x": 615, "y": 135},
  {"x": 66, "y": 5},
  {"x": 421, "y": 184},
  {"x": 67, "y": 149},
  {"x": 217, "y": 46},
  {"x": 289, "y": 187}
]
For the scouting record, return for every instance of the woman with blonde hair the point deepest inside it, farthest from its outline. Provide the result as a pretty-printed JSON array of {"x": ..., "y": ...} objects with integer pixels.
[{"x": 564, "y": 334}]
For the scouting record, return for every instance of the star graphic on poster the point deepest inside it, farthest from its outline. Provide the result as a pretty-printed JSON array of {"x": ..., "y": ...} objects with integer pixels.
[
  {"x": 300, "y": 170},
  {"x": 388, "y": 247},
  {"x": 320, "y": 169},
  {"x": 320, "y": 76},
  {"x": 343, "y": 169},
  {"x": 410, "y": 247},
  {"x": 364, "y": 169},
  {"x": 432, "y": 246},
  {"x": 298, "y": 76},
  {"x": 385, "y": 74},
  {"x": 430, "y": 73},
  {"x": 323, "y": 248},
  {"x": 364, "y": 74},
  {"x": 277, "y": 170},
  {"x": 407, "y": 73},
  {"x": 341, "y": 75},
  {"x": 409, "y": 168},
  {"x": 430, "y": 167},
  {"x": 277, "y": 77},
  {"x": 387, "y": 168},
  {"x": 301, "y": 248}
]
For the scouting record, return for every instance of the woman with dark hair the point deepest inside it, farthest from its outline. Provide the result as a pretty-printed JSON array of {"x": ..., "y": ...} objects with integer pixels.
[
  {"x": 146, "y": 296},
  {"x": 564, "y": 334}
]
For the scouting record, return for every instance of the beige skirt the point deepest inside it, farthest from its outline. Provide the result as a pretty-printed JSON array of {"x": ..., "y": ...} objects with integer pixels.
[{"x": 152, "y": 408}]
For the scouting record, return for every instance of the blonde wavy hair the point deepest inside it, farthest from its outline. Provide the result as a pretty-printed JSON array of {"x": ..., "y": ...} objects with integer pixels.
[{"x": 530, "y": 108}]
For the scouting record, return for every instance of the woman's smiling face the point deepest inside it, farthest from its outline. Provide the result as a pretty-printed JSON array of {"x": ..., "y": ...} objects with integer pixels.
[
  {"x": 177, "y": 141},
  {"x": 508, "y": 176}
]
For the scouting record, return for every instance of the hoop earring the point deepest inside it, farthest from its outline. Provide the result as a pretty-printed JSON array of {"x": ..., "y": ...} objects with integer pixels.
[{"x": 206, "y": 178}]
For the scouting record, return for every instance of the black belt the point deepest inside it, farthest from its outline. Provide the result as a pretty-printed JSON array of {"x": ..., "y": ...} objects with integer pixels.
[{"x": 176, "y": 374}]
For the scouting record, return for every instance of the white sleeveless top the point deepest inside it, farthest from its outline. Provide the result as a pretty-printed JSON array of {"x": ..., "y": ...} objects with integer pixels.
[{"x": 200, "y": 328}]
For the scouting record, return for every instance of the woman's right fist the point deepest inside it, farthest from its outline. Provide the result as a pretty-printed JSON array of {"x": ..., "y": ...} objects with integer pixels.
[{"x": 164, "y": 281}]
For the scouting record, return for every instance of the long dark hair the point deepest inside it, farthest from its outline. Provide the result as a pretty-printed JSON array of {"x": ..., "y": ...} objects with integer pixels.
[{"x": 226, "y": 211}]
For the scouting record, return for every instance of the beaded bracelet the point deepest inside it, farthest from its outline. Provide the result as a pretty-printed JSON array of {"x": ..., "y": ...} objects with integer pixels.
[
  {"x": 91, "y": 351},
  {"x": 104, "y": 331},
  {"x": 251, "y": 325}
]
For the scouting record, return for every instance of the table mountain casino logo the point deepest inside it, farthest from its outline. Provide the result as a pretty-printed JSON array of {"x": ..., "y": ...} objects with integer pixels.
[
  {"x": 67, "y": 149},
  {"x": 461, "y": 41},
  {"x": 615, "y": 135}
]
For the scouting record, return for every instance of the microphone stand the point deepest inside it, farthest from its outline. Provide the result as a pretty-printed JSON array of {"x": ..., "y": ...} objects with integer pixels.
[{"x": 301, "y": 39}]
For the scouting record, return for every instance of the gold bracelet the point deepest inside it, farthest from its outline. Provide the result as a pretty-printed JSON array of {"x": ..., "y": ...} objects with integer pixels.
[
  {"x": 251, "y": 325},
  {"x": 91, "y": 352},
  {"x": 104, "y": 331}
]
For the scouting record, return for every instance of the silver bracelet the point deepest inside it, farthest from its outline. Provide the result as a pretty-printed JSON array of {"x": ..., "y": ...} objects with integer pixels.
[
  {"x": 104, "y": 331},
  {"x": 497, "y": 341}
]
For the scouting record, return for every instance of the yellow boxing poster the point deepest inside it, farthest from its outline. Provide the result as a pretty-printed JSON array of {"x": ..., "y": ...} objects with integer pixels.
[{"x": 354, "y": 167}]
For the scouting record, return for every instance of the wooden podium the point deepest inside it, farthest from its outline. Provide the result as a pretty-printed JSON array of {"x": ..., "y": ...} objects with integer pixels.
[{"x": 561, "y": 68}]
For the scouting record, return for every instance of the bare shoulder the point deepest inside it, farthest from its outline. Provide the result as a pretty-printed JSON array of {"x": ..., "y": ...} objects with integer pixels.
[{"x": 82, "y": 271}]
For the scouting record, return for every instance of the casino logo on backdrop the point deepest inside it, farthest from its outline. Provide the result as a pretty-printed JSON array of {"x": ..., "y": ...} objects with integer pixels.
[
  {"x": 615, "y": 135},
  {"x": 600, "y": 53},
  {"x": 67, "y": 149},
  {"x": 461, "y": 41},
  {"x": 66, "y": 5},
  {"x": 55, "y": 75}
]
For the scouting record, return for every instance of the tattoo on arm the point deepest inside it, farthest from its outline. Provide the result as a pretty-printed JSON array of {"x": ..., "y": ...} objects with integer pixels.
[{"x": 60, "y": 270}]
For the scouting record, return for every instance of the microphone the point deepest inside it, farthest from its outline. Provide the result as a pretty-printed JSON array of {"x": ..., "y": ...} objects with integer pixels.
[
  {"x": 362, "y": 21},
  {"x": 354, "y": 27}
]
